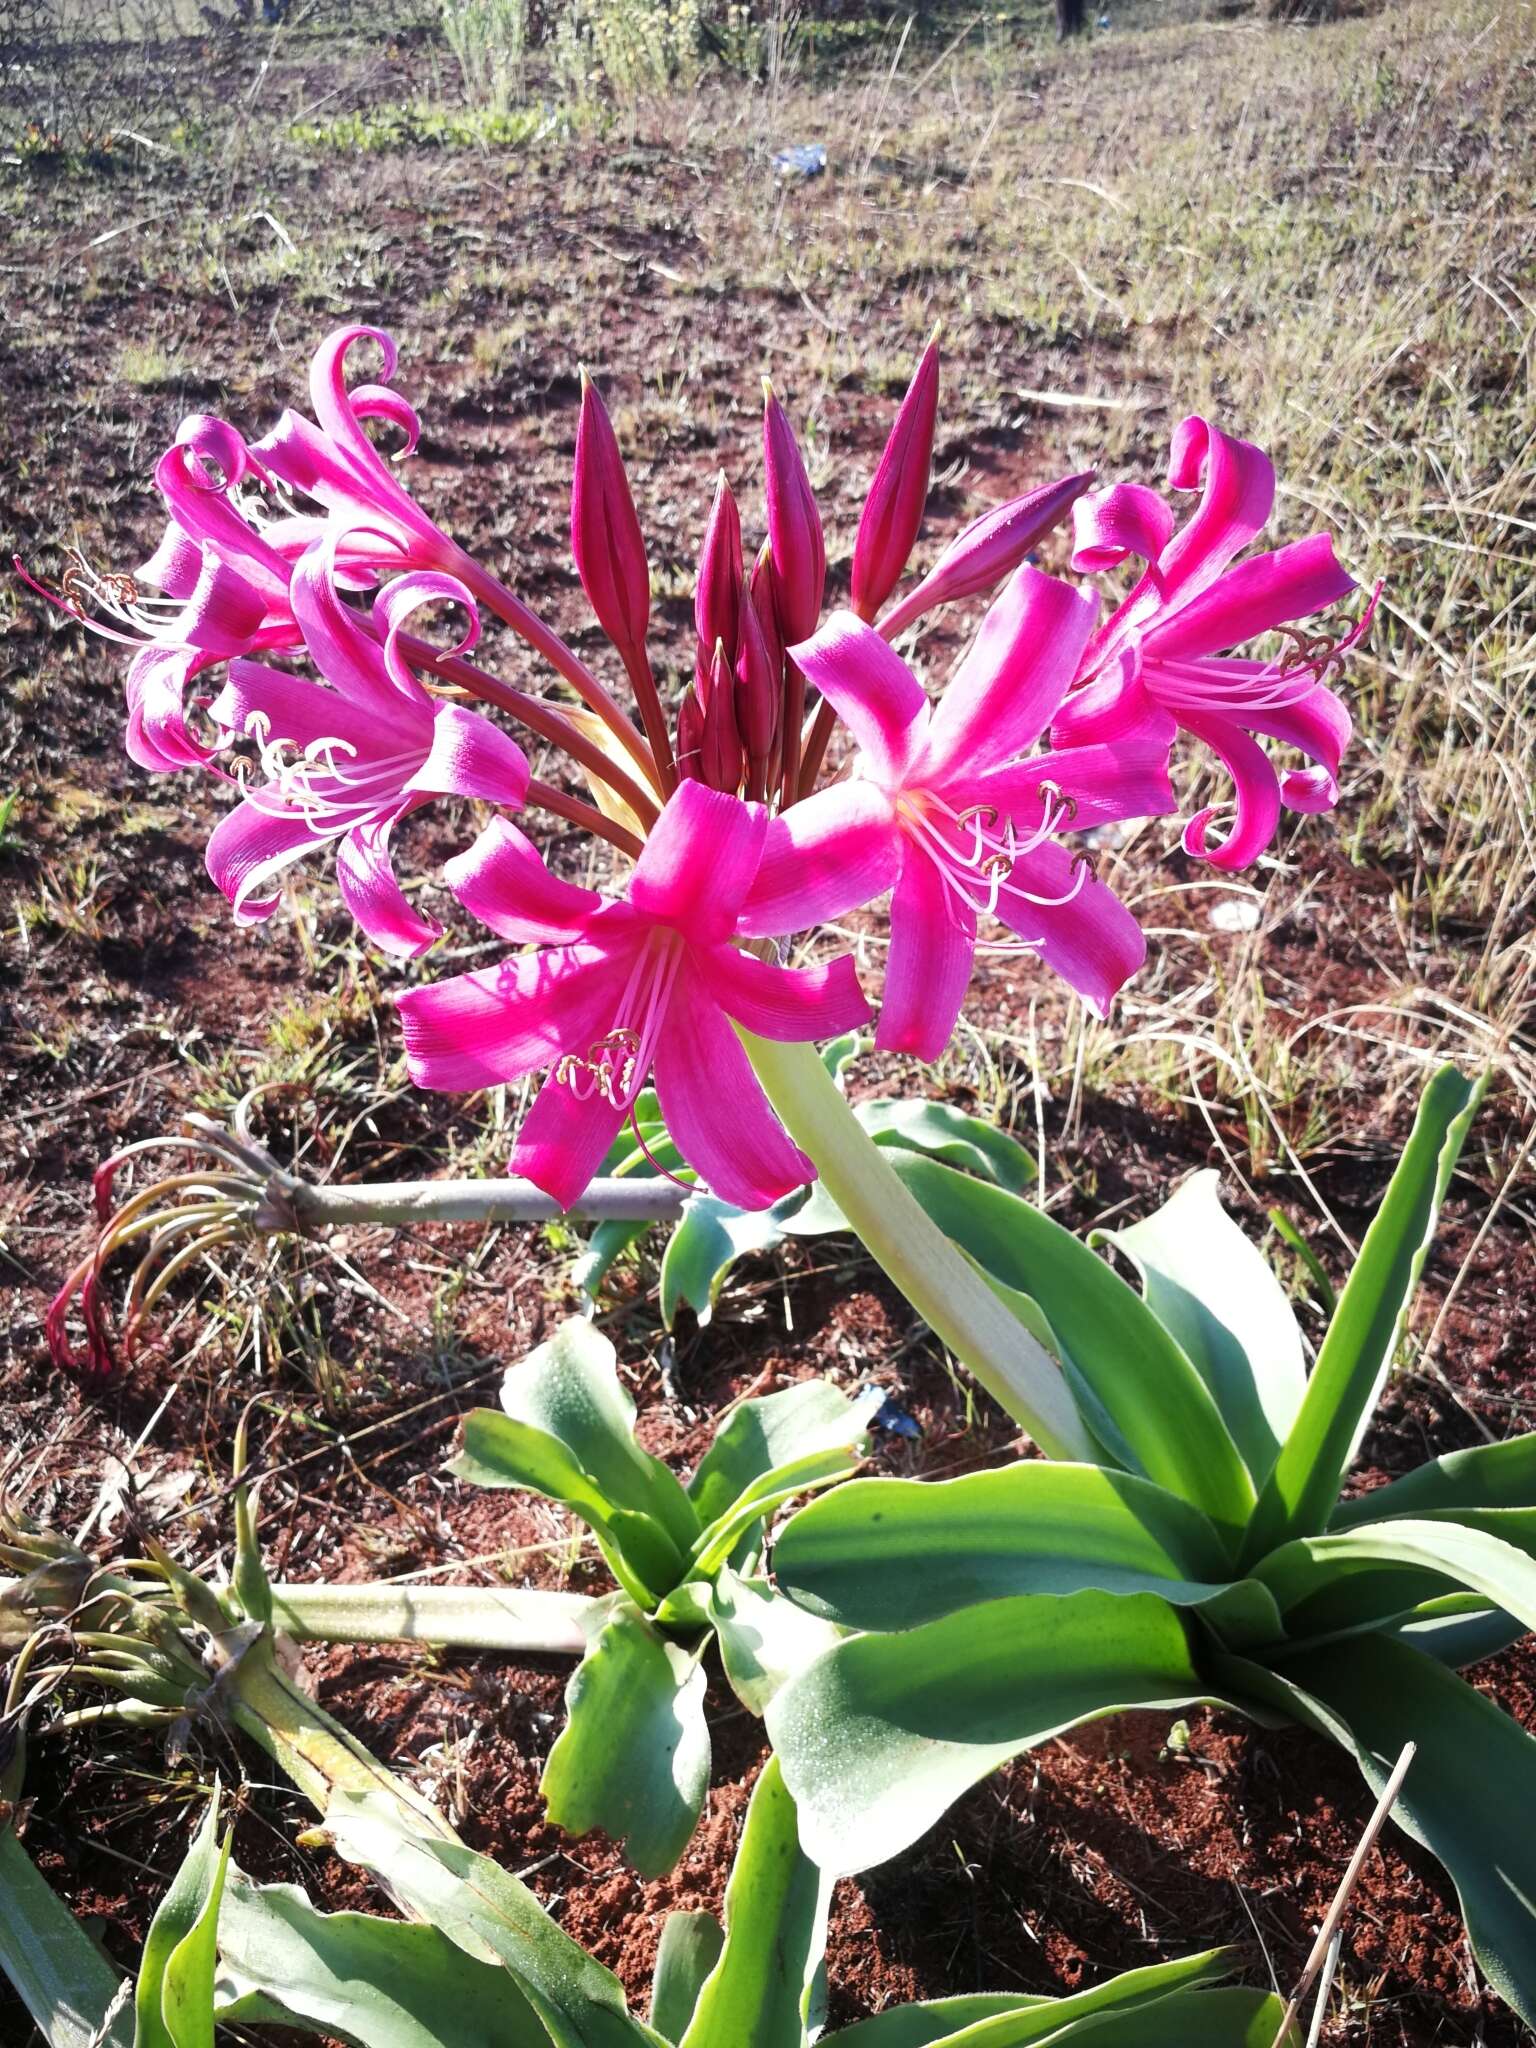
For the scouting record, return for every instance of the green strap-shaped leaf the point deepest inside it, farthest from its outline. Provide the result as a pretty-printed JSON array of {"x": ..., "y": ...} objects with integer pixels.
[
  {"x": 173, "y": 2006},
  {"x": 1468, "y": 1797},
  {"x": 502, "y": 1453},
  {"x": 633, "y": 1757},
  {"x": 1326, "y": 1582},
  {"x": 379, "y": 1983},
  {"x": 492, "y": 1916},
  {"x": 944, "y": 2022},
  {"x": 707, "y": 1240},
  {"x": 689, "y": 1949},
  {"x": 759, "y": 1994},
  {"x": 893, "y": 1553},
  {"x": 1299, "y": 1496},
  {"x": 764, "y": 1638},
  {"x": 1223, "y": 2018},
  {"x": 940, "y": 1131},
  {"x": 884, "y": 1732},
  {"x": 60, "y": 1975},
  {"x": 1215, "y": 1293},
  {"x": 1157, "y": 1401},
  {"x": 571, "y": 1388},
  {"x": 1487, "y": 1476},
  {"x": 758, "y": 1437}
]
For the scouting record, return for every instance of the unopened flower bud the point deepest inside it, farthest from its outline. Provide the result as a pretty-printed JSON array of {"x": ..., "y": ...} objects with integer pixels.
[
  {"x": 893, "y": 511},
  {"x": 758, "y": 687},
  {"x": 989, "y": 549},
  {"x": 717, "y": 594},
  {"x": 721, "y": 748},
  {"x": 690, "y": 737},
  {"x": 605, "y": 531},
  {"x": 794, "y": 527}
]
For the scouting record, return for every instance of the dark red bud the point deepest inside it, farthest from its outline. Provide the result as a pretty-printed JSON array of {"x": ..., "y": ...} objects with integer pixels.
[
  {"x": 893, "y": 511},
  {"x": 794, "y": 527},
  {"x": 605, "y": 531}
]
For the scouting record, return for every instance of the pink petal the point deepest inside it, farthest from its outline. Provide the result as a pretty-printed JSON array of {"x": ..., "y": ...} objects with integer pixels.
[
  {"x": 1107, "y": 782},
  {"x": 1320, "y": 727},
  {"x": 223, "y": 613},
  {"x": 1113, "y": 706},
  {"x": 1091, "y": 940},
  {"x": 1261, "y": 593},
  {"x": 828, "y": 854},
  {"x": 872, "y": 691},
  {"x": 156, "y": 737},
  {"x": 1256, "y": 789},
  {"x": 292, "y": 708},
  {"x": 1127, "y": 519},
  {"x": 249, "y": 848},
  {"x": 503, "y": 882},
  {"x": 933, "y": 941},
  {"x": 714, "y": 1108},
  {"x": 471, "y": 756},
  {"x": 175, "y": 564},
  {"x": 345, "y": 652},
  {"x": 341, "y": 413},
  {"x": 366, "y": 879},
  {"x": 498, "y": 1023},
  {"x": 564, "y": 1138},
  {"x": 1238, "y": 491},
  {"x": 793, "y": 1004},
  {"x": 699, "y": 861},
  {"x": 1018, "y": 669}
]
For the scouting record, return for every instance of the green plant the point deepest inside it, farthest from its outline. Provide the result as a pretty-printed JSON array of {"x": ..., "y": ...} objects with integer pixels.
[
  {"x": 490, "y": 40},
  {"x": 635, "y": 1752},
  {"x": 710, "y": 1235},
  {"x": 1207, "y": 1555}
]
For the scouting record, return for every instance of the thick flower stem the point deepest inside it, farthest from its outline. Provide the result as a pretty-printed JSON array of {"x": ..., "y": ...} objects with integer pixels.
[
  {"x": 301, "y": 1205},
  {"x": 943, "y": 1286},
  {"x": 499, "y": 1618}
]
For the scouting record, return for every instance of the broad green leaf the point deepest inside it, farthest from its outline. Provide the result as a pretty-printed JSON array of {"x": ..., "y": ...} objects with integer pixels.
[
  {"x": 379, "y": 1983},
  {"x": 59, "y": 1974},
  {"x": 939, "y": 1131},
  {"x": 570, "y": 1387},
  {"x": 1215, "y": 1293},
  {"x": 1313, "y": 1577},
  {"x": 1457, "y": 1639},
  {"x": 689, "y": 1949},
  {"x": 1299, "y": 1496},
  {"x": 1487, "y": 1476},
  {"x": 1468, "y": 1796},
  {"x": 607, "y": 1244},
  {"x": 764, "y": 1638},
  {"x": 759, "y": 1993},
  {"x": 492, "y": 1916},
  {"x": 173, "y": 2004},
  {"x": 758, "y": 1437},
  {"x": 707, "y": 1240},
  {"x": 884, "y": 1732},
  {"x": 633, "y": 1757},
  {"x": 1012, "y": 2020},
  {"x": 1157, "y": 1401},
  {"x": 894, "y": 1553},
  {"x": 500, "y": 1452}
]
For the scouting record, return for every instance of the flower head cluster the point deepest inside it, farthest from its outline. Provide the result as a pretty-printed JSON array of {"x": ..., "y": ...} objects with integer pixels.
[{"x": 292, "y": 573}]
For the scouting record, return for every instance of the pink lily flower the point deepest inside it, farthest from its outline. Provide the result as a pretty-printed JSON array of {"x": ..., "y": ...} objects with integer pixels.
[
  {"x": 940, "y": 809},
  {"x": 618, "y": 989},
  {"x": 346, "y": 763},
  {"x": 1158, "y": 663}
]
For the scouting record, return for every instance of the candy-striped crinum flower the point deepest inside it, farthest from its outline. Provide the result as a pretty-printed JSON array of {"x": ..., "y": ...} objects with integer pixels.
[
  {"x": 1159, "y": 663},
  {"x": 616, "y": 990},
  {"x": 345, "y": 760},
  {"x": 940, "y": 809}
]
